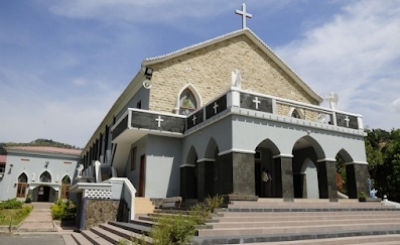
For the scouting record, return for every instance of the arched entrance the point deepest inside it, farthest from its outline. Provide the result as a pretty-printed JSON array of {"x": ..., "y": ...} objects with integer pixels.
[
  {"x": 310, "y": 179},
  {"x": 189, "y": 176},
  {"x": 44, "y": 191},
  {"x": 263, "y": 159},
  {"x": 309, "y": 176}
]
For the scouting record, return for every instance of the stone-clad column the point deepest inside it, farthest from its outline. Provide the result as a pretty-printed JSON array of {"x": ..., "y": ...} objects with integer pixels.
[
  {"x": 357, "y": 179},
  {"x": 331, "y": 180},
  {"x": 205, "y": 178},
  {"x": 235, "y": 178},
  {"x": 327, "y": 179},
  {"x": 287, "y": 178}
]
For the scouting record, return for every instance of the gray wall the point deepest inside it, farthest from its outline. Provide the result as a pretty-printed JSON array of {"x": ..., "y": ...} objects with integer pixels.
[
  {"x": 220, "y": 131},
  {"x": 249, "y": 132},
  {"x": 162, "y": 166}
]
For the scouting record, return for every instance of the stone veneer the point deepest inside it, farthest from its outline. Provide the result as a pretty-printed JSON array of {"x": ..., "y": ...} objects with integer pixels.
[
  {"x": 209, "y": 71},
  {"x": 99, "y": 211}
]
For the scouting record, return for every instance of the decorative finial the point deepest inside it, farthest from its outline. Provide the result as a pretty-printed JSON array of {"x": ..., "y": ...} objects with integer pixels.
[{"x": 244, "y": 15}]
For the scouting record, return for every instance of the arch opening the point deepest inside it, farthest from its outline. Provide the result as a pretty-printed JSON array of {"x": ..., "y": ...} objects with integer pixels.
[
  {"x": 22, "y": 185},
  {"x": 267, "y": 170}
]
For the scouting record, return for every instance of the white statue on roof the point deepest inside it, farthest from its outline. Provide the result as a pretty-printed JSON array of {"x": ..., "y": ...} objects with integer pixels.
[
  {"x": 236, "y": 79},
  {"x": 333, "y": 99},
  {"x": 79, "y": 170}
]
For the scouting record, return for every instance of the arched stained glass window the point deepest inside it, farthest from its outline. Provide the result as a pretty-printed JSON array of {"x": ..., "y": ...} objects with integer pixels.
[
  {"x": 45, "y": 177},
  {"x": 187, "y": 102}
]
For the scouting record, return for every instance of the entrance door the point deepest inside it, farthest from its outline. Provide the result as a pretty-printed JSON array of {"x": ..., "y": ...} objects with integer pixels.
[
  {"x": 142, "y": 177},
  {"x": 43, "y": 193}
]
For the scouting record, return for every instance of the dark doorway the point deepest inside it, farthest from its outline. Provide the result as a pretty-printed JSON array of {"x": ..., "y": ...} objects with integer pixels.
[{"x": 43, "y": 194}]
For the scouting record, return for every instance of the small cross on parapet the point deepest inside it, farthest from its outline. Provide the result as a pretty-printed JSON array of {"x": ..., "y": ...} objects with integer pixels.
[{"x": 244, "y": 15}]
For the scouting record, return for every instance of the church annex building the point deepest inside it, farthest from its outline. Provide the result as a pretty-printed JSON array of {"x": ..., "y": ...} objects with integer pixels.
[{"x": 205, "y": 119}]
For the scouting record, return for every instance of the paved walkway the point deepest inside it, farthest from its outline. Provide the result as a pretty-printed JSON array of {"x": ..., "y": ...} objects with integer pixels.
[{"x": 40, "y": 221}]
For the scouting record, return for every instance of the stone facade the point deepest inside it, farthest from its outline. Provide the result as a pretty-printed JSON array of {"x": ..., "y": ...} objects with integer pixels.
[
  {"x": 209, "y": 71},
  {"x": 98, "y": 211}
]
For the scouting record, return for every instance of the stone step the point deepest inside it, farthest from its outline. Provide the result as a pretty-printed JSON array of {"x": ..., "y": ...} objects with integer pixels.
[
  {"x": 301, "y": 215},
  {"x": 308, "y": 203},
  {"x": 306, "y": 200},
  {"x": 69, "y": 240},
  {"x": 265, "y": 218},
  {"x": 80, "y": 239},
  {"x": 304, "y": 214},
  {"x": 299, "y": 223},
  {"x": 125, "y": 234},
  {"x": 295, "y": 237},
  {"x": 370, "y": 240},
  {"x": 135, "y": 228},
  {"x": 143, "y": 205},
  {"x": 303, "y": 209},
  {"x": 107, "y": 235},
  {"x": 95, "y": 238},
  {"x": 296, "y": 229}
]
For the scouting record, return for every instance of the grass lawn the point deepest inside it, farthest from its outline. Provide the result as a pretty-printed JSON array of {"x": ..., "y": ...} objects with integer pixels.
[{"x": 17, "y": 215}]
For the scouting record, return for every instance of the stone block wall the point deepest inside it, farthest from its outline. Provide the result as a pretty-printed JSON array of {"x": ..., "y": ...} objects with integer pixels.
[
  {"x": 209, "y": 71},
  {"x": 99, "y": 211}
]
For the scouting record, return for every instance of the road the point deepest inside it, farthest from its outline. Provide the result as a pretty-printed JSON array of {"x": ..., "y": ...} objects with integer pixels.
[{"x": 31, "y": 239}]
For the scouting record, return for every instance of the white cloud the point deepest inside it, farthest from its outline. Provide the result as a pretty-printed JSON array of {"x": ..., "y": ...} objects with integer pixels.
[
  {"x": 67, "y": 118},
  {"x": 356, "y": 55},
  {"x": 396, "y": 105},
  {"x": 79, "y": 82}
]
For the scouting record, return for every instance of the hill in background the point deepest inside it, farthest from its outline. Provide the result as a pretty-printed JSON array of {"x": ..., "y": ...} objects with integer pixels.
[{"x": 38, "y": 142}]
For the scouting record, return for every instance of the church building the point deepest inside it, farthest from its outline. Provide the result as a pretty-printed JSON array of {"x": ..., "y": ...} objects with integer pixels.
[
  {"x": 38, "y": 173},
  {"x": 206, "y": 119}
]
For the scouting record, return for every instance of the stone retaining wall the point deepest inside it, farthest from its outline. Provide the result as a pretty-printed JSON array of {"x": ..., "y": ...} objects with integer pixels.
[{"x": 99, "y": 211}]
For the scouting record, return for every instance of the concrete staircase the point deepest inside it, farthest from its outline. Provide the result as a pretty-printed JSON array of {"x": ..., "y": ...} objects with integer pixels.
[
  {"x": 271, "y": 221},
  {"x": 143, "y": 206}
]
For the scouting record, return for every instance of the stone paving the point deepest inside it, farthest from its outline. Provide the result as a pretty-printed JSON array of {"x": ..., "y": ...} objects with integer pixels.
[{"x": 39, "y": 220}]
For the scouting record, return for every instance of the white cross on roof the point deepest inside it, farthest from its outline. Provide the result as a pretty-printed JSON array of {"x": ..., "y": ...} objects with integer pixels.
[
  {"x": 257, "y": 102},
  {"x": 159, "y": 120},
  {"x": 244, "y": 15},
  {"x": 215, "y": 108}
]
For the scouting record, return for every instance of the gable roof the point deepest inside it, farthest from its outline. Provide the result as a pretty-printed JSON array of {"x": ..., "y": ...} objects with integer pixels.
[
  {"x": 44, "y": 149},
  {"x": 252, "y": 36}
]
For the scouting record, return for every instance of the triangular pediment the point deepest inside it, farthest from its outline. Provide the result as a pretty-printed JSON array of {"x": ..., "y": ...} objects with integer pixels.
[{"x": 250, "y": 36}]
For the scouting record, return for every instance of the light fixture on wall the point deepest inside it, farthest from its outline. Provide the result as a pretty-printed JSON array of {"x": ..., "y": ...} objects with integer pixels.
[
  {"x": 46, "y": 164},
  {"x": 11, "y": 166},
  {"x": 148, "y": 73}
]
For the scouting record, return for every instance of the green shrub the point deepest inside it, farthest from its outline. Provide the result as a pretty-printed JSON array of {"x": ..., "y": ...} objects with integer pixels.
[
  {"x": 63, "y": 210},
  {"x": 180, "y": 229},
  {"x": 11, "y": 204},
  {"x": 172, "y": 230},
  {"x": 28, "y": 199}
]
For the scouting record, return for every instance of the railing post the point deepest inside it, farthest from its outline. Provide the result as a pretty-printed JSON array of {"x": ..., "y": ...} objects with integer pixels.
[
  {"x": 334, "y": 119},
  {"x": 274, "y": 106}
]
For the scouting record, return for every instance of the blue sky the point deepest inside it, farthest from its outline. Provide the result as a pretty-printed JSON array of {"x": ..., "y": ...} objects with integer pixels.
[{"x": 63, "y": 63}]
